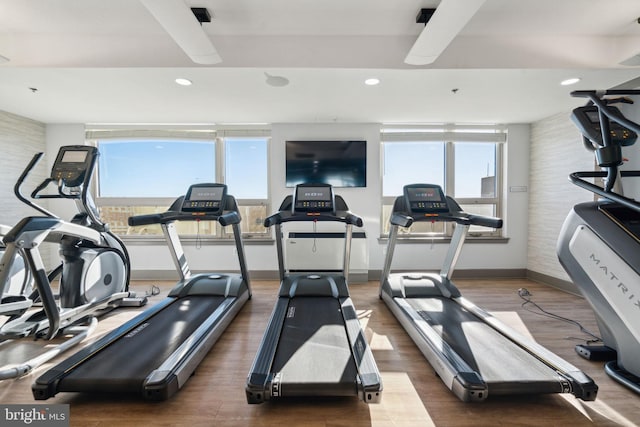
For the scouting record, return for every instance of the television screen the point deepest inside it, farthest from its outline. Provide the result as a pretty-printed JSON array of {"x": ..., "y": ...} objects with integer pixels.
[{"x": 339, "y": 163}]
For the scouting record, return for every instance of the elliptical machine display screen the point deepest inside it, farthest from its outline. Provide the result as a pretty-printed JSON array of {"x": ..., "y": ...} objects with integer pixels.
[
  {"x": 425, "y": 198},
  {"x": 313, "y": 198},
  {"x": 72, "y": 163},
  {"x": 587, "y": 120},
  {"x": 207, "y": 198}
]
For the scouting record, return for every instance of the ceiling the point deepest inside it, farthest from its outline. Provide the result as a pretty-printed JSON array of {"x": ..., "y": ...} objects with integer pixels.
[{"x": 96, "y": 61}]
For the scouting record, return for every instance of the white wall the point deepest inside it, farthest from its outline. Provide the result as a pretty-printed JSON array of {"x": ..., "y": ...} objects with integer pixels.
[
  {"x": 632, "y": 153},
  {"x": 20, "y": 139},
  {"x": 556, "y": 152},
  {"x": 362, "y": 201}
]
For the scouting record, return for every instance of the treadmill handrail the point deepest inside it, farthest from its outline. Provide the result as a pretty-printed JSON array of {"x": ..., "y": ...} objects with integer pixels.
[
  {"x": 227, "y": 218},
  {"x": 404, "y": 220},
  {"x": 286, "y": 216}
]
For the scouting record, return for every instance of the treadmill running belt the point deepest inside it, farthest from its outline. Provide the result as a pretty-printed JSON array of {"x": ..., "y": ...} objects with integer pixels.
[
  {"x": 314, "y": 355},
  {"x": 125, "y": 363},
  {"x": 504, "y": 366}
]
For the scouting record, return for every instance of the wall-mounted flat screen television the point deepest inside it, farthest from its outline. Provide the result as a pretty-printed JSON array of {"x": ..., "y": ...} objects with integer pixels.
[{"x": 339, "y": 163}]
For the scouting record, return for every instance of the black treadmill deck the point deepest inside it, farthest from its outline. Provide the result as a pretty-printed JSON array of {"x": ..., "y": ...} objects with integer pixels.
[
  {"x": 314, "y": 355},
  {"x": 127, "y": 362},
  {"x": 503, "y": 365}
]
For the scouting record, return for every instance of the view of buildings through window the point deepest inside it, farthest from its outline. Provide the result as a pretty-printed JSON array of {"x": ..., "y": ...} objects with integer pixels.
[
  {"x": 145, "y": 176},
  {"x": 138, "y": 177},
  {"x": 466, "y": 171}
]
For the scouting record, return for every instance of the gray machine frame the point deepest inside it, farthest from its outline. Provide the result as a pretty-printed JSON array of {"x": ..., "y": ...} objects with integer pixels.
[
  {"x": 94, "y": 272},
  {"x": 498, "y": 360},
  {"x": 599, "y": 242},
  {"x": 219, "y": 296},
  {"x": 346, "y": 367}
]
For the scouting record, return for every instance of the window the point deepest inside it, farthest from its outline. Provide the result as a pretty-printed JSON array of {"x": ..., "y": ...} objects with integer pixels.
[
  {"x": 412, "y": 162},
  {"x": 145, "y": 175},
  {"x": 153, "y": 168},
  {"x": 246, "y": 175},
  {"x": 475, "y": 180},
  {"x": 465, "y": 164}
]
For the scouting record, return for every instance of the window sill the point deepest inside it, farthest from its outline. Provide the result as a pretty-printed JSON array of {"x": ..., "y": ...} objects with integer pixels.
[
  {"x": 447, "y": 240},
  {"x": 193, "y": 241}
]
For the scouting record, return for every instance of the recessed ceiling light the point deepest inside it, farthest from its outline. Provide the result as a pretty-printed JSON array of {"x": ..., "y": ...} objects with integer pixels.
[
  {"x": 372, "y": 81},
  {"x": 570, "y": 81},
  {"x": 183, "y": 82}
]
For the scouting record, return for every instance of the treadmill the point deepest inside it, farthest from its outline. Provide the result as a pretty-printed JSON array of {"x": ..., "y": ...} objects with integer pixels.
[
  {"x": 474, "y": 354},
  {"x": 313, "y": 344},
  {"x": 156, "y": 352}
]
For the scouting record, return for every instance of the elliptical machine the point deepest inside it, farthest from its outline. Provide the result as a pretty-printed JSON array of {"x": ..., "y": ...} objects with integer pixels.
[
  {"x": 93, "y": 274},
  {"x": 599, "y": 244}
]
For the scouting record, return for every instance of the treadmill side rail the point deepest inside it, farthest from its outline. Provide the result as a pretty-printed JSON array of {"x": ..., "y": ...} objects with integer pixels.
[
  {"x": 46, "y": 385},
  {"x": 581, "y": 385},
  {"x": 259, "y": 378},
  {"x": 168, "y": 378},
  {"x": 370, "y": 384},
  {"x": 455, "y": 373}
]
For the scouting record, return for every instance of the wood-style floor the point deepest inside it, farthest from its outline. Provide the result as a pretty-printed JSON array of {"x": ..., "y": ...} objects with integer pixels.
[{"x": 413, "y": 395}]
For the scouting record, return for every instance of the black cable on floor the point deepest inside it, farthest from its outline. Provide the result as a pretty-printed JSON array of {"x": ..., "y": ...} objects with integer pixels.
[{"x": 525, "y": 295}]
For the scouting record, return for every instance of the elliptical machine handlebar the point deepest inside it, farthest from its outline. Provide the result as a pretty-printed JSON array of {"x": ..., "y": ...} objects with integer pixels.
[
  {"x": 17, "y": 188},
  {"x": 69, "y": 171}
]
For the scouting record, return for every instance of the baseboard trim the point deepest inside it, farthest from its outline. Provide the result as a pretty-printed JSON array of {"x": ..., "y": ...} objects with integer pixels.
[
  {"x": 511, "y": 273},
  {"x": 374, "y": 275},
  {"x": 563, "y": 285},
  {"x": 360, "y": 277}
]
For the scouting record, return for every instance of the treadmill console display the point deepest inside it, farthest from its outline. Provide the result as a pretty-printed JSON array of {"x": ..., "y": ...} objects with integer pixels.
[
  {"x": 207, "y": 198},
  {"x": 313, "y": 198},
  {"x": 72, "y": 163},
  {"x": 425, "y": 198}
]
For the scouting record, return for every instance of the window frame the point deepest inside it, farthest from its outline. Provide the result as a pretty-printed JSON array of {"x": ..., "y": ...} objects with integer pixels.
[
  {"x": 450, "y": 136},
  {"x": 218, "y": 138}
]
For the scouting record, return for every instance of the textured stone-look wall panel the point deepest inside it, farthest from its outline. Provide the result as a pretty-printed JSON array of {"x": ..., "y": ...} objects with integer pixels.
[
  {"x": 556, "y": 151},
  {"x": 20, "y": 139}
]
